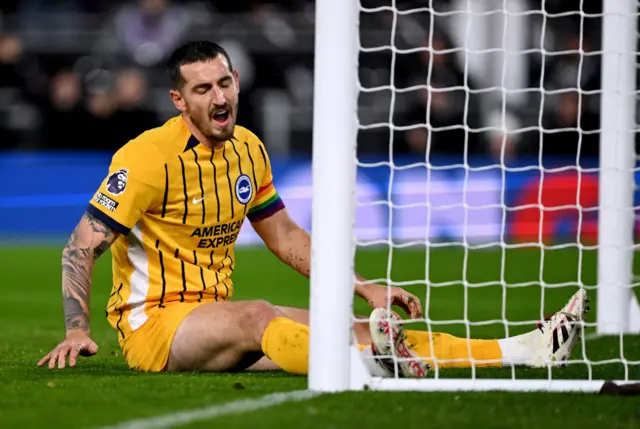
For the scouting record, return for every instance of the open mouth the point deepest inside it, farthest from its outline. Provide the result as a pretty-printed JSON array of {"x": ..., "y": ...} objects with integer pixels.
[{"x": 221, "y": 117}]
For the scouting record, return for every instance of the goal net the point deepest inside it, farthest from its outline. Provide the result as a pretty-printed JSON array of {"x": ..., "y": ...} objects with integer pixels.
[{"x": 481, "y": 155}]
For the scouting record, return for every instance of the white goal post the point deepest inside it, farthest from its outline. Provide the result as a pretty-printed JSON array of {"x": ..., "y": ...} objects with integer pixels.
[
  {"x": 617, "y": 306},
  {"x": 334, "y": 362},
  {"x": 334, "y": 169}
]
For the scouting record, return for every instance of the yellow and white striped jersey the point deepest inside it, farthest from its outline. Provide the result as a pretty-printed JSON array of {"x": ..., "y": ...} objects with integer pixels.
[{"x": 179, "y": 207}]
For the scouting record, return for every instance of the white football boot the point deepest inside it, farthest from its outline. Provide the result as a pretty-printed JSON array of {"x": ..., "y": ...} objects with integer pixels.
[
  {"x": 388, "y": 344},
  {"x": 560, "y": 332}
]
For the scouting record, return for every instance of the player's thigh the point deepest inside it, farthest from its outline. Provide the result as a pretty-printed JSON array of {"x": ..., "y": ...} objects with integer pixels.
[
  {"x": 220, "y": 336},
  {"x": 301, "y": 315}
]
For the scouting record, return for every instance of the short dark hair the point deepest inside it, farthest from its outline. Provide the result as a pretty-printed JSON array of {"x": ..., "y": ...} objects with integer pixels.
[{"x": 193, "y": 52}]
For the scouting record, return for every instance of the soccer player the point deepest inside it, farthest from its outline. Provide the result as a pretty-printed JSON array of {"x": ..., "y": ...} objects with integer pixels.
[{"x": 171, "y": 207}]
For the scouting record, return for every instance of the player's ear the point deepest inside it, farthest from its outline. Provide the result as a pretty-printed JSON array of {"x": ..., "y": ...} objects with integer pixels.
[{"x": 177, "y": 99}]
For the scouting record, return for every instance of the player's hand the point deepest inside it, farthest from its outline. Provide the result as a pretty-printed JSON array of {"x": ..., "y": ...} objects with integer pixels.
[
  {"x": 378, "y": 297},
  {"x": 76, "y": 343}
]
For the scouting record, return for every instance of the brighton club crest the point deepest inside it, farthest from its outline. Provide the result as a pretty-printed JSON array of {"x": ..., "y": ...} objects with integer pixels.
[{"x": 244, "y": 189}]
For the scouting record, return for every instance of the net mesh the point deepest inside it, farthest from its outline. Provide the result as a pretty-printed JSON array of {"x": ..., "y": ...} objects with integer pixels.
[{"x": 477, "y": 189}]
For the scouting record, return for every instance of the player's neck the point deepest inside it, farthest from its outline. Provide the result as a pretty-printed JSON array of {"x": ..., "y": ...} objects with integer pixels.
[{"x": 202, "y": 138}]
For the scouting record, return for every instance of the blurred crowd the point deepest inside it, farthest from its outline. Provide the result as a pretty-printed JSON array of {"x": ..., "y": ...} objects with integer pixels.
[{"x": 89, "y": 74}]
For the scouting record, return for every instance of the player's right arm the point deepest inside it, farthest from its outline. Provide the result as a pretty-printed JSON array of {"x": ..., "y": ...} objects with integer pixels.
[
  {"x": 130, "y": 188},
  {"x": 88, "y": 241}
]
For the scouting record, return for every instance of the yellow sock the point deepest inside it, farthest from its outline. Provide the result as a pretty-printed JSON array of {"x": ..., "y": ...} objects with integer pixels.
[
  {"x": 445, "y": 347},
  {"x": 286, "y": 343}
]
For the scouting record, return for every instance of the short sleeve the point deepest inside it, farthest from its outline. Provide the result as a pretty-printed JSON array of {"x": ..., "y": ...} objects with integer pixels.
[
  {"x": 128, "y": 190},
  {"x": 267, "y": 201}
]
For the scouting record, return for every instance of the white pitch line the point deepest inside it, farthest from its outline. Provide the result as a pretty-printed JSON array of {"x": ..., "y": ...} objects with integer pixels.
[{"x": 214, "y": 411}]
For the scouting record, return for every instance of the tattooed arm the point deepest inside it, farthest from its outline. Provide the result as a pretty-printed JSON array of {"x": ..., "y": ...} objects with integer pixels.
[
  {"x": 90, "y": 239},
  {"x": 292, "y": 245}
]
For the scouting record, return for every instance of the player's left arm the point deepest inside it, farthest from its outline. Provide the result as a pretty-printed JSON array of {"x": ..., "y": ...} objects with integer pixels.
[{"x": 292, "y": 245}]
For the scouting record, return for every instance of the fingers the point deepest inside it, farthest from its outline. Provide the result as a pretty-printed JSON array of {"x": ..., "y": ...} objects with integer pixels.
[
  {"x": 73, "y": 355},
  {"x": 54, "y": 357},
  {"x": 412, "y": 306},
  {"x": 44, "y": 359},
  {"x": 409, "y": 303},
  {"x": 57, "y": 356},
  {"x": 62, "y": 357},
  {"x": 415, "y": 308},
  {"x": 71, "y": 348}
]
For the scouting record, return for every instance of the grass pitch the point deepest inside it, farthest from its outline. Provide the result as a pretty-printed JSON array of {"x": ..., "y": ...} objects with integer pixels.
[{"x": 102, "y": 391}]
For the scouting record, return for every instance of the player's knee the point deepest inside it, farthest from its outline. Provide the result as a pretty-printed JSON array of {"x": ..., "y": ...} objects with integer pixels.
[{"x": 258, "y": 314}]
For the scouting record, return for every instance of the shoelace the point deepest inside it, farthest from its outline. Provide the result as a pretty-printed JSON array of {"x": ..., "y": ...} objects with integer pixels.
[{"x": 569, "y": 316}]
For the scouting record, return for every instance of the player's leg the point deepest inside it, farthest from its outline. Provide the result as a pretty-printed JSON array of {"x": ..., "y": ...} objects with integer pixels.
[
  {"x": 301, "y": 315},
  {"x": 426, "y": 345},
  {"x": 228, "y": 336},
  {"x": 362, "y": 333},
  {"x": 551, "y": 341},
  {"x": 453, "y": 351},
  {"x": 220, "y": 336}
]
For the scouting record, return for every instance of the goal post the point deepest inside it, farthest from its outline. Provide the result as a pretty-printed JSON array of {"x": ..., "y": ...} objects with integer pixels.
[
  {"x": 616, "y": 302},
  {"x": 333, "y": 203},
  {"x": 334, "y": 360}
]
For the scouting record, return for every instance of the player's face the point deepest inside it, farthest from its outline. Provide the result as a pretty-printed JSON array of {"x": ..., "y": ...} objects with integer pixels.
[{"x": 210, "y": 97}]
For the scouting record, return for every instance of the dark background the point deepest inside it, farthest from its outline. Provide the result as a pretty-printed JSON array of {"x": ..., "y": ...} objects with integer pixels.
[{"x": 89, "y": 75}]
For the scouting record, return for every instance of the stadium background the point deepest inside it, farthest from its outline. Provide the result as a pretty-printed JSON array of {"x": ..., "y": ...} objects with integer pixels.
[{"x": 80, "y": 78}]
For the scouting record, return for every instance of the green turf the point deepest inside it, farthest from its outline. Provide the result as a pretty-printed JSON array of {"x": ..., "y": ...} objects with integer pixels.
[{"x": 103, "y": 391}]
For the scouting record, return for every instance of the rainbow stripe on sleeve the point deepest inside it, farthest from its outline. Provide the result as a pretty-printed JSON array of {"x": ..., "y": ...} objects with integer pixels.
[{"x": 266, "y": 203}]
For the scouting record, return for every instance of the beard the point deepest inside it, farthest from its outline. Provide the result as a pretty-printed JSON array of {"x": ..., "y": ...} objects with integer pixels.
[
  {"x": 223, "y": 135},
  {"x": 207, "y": 126}
]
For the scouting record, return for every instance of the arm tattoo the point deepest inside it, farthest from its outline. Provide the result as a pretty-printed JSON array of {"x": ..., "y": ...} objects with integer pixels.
[{"x": 89, "y": 240}]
